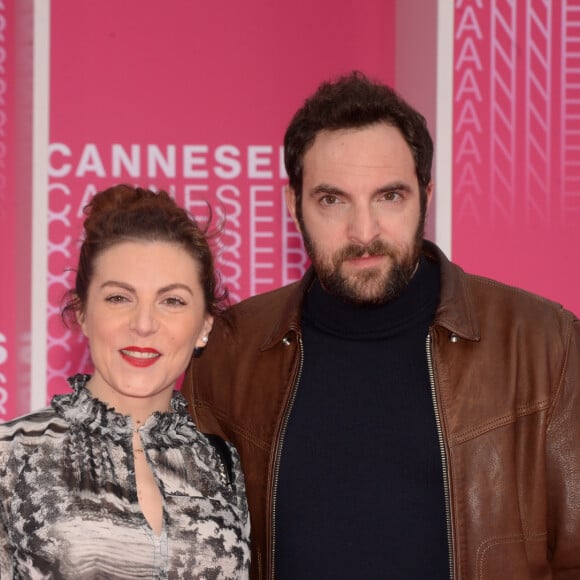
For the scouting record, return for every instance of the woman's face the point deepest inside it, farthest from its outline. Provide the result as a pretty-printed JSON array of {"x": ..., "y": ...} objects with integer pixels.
[{"x": 145, "y": 312}]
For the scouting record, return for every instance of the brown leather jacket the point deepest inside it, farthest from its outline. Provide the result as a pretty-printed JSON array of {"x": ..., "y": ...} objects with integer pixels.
[{"x": 506, "y": 389}]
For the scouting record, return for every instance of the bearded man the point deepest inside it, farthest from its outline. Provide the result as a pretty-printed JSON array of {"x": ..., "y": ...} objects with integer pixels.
[{"x": 396, "y": 418}]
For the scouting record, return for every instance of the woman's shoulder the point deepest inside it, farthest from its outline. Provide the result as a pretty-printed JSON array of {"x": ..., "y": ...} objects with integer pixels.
[{"x": 31, "y": 427}]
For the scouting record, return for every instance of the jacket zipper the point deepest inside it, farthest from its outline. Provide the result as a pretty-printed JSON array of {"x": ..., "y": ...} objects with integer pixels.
[
  {"x": 279, "y": 453},
  {"x": 441, "y": 448},
  {"x": 444, "y": 462}
]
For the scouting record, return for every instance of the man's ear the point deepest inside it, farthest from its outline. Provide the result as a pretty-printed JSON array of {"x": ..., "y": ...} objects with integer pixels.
[
  {"x": 291, "y": 201},
  {"x": 429, "y": 190}
]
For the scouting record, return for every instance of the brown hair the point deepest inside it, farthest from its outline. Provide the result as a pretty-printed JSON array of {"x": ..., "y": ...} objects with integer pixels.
[
  {"x": 354, "y": 101},
  {"x": 123, "y": 213}
]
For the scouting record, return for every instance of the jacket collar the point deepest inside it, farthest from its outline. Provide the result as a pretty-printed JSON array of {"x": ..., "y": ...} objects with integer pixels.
[
  {"x": 455, "y": 312},
  {"x": 289, "y": 320}
]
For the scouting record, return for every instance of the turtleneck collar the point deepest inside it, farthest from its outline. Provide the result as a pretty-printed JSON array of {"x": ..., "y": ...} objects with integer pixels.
[{"x": 419, "y": 300}]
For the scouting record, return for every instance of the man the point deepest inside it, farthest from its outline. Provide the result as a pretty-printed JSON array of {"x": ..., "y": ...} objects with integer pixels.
[{"x": 396, "y": 417}]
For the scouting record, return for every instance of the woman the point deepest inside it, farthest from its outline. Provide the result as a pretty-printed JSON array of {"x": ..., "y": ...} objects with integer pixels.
[{"x": 113, "y": 480}]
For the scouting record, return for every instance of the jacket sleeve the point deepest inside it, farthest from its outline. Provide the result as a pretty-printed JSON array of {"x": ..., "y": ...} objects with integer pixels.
[{"x": 563, "y": 465}]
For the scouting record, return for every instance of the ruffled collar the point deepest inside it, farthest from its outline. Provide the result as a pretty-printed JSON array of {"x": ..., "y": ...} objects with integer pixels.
[{"x": 81, "y": 409}]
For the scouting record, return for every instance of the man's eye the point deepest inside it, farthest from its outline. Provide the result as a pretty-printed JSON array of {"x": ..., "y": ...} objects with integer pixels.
[
  {"x": 329, "y": 199},
  {"x": 392, "y": 196}
]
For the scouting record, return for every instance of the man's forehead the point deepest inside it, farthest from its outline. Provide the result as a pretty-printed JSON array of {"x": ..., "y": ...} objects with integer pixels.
[{"x": 359, "y": 150}]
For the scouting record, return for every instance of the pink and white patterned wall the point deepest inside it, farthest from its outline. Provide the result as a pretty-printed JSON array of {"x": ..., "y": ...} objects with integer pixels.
[
  {"x": 15, "y": 204},
  {"x": 195, "y": 97},
  {"x": 516, "y": 159},
  {"x": 8, "y": 333},
  {"x": 192, "y": 98}
]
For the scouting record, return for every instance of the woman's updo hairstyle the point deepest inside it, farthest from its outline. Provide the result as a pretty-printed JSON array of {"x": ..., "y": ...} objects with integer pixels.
[{"x": 124, "y": 213}]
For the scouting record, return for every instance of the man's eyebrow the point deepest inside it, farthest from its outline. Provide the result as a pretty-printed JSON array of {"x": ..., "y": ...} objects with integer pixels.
[
  {"x": 400, "y": 185},
  {"x": 325, "y": 188},
  {"x": 333, "y": 190}
]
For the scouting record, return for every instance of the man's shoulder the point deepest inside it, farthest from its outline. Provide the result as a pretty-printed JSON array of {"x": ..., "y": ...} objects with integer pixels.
[
  {"x": 277, "y": 298},
  {"x": 460, "y": 285},
  {"x": 472, "y": 305},
  {"x": 497, "y": 295},
  {"x": 280, "y": 307},
  {"x": 256, "y": 319},
  {"x": 31, "y": 429}
]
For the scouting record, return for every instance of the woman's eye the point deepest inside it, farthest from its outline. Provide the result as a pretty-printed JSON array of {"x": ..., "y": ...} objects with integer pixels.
[
  {"x": 174, "y": 301},
  {"x": 116, "y": 299}
]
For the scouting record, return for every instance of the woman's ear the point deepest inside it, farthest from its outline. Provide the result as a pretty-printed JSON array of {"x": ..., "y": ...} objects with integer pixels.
[
  {"x": 203, "y": 337},
  {"x": 81, "y": 320}
]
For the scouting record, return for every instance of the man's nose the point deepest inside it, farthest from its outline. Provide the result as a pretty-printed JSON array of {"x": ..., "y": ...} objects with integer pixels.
[{"x": 363, "y": 225}]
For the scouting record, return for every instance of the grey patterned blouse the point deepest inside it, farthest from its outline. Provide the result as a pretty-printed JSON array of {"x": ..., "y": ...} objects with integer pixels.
[{"x": 68, "y": 499}]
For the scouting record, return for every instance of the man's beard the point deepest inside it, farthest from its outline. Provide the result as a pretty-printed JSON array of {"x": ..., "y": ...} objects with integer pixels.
[{"x": 370, "y": 286}]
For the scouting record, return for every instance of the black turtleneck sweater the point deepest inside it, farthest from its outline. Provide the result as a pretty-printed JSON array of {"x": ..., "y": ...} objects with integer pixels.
[{"x": 360, "y": 488}]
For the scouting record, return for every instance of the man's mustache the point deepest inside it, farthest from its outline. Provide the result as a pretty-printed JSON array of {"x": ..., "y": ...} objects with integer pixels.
[{"x": 376, "y": 248}]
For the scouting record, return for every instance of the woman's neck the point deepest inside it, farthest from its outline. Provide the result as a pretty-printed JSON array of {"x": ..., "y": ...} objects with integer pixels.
[{"x": 139, "y": 409}]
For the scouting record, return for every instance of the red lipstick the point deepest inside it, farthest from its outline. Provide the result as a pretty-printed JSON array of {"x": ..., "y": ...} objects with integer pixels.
[{"x": 140, "y": 357}]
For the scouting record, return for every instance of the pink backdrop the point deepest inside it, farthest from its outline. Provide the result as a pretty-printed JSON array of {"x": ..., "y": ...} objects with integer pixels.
[
  {"x": 194, "y": 98},
  {"x": 15, "y": 204},
  {"x": 8, "y": 332},
  {"x": 516, "y": 186}
]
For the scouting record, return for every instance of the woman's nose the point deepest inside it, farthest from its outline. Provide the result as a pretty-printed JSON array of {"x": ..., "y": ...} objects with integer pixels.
[{"x": 144, "y": 320}]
